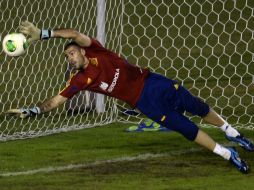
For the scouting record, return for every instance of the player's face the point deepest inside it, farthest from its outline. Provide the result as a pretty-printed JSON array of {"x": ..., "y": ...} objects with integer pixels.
[{"x": 76, "y": 57}]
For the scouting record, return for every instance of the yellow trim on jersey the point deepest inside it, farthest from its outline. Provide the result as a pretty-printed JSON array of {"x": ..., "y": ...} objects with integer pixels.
[
  {"x": 163, "y": 118},
  {"x": 64, "y": 88},
  {"x": 89, "y": 80},
  {"x": 68, "y": 82}
]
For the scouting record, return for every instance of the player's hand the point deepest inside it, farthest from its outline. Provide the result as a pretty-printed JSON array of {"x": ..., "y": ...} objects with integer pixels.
[
  {"x": 31, "y": 30},
  {"x": 23, "y": 112}
]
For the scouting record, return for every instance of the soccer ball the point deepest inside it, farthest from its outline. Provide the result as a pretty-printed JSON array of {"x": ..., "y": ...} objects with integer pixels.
[{"x": 15, "y": 44}]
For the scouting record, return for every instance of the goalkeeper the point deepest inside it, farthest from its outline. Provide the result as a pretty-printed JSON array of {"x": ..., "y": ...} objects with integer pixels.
[{"x": 159, "y": 98}]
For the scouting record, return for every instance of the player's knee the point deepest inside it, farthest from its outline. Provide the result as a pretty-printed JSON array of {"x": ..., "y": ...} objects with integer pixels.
[
  {"x": 191, "y": 133},
  {"x": 185, "y": 127},
  {"x": 202, "y": 109}
]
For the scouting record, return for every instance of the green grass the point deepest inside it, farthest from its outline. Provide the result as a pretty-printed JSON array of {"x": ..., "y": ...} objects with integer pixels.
[{"x": 197, "y": 169}]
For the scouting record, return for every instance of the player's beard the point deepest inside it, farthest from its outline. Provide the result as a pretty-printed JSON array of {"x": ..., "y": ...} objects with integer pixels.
[{"x": 80, "y": 64}]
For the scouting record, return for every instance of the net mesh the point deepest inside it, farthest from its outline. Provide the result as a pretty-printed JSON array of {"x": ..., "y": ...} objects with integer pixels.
[
  {"x": 206, "y": 45},
  {"x": 40, "y": 74}
]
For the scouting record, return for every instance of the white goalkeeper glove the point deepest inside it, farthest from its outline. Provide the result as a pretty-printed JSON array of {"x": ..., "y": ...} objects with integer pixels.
[
  {"x": 24, "y": 112},
  {"x": 35, "y": 33},
  {"x": 29, "y": 29}
]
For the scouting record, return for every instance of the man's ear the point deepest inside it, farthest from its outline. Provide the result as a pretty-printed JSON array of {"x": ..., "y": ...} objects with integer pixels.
[{"x": 83, "y": 52}]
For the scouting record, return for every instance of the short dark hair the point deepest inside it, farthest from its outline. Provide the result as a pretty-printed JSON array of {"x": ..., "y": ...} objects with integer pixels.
[{"x": 72, "y": 43}]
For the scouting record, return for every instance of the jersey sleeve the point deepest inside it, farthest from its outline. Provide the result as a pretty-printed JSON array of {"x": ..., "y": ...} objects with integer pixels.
[
  {"x": 74, "y": 85},
  {"x": 95, "y": 43},
  {"x": 70, "y": 90}
]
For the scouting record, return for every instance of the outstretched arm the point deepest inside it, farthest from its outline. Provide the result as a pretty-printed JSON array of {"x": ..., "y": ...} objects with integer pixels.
[
  {"x": 52, "y": 103},
  {"x": 35, "y": 33},
  {"x": 78, "y": 37},
  {"x": 46, "y": 106}
]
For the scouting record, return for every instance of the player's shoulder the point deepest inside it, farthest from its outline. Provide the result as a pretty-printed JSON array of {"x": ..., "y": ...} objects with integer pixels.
[
  {"x": 83, "y": 76},
  {"x": 74, "y": 80},
  {"x": 75, "y": 77},
  {"x": 95, "y": 43}
]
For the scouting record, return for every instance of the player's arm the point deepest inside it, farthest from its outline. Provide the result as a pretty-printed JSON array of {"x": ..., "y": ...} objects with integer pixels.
[
  {"x": 46, "y": 106},
  {"x": 78, "y": 37},
  {"x": 35, "y": 34},
  {"x": 52, "y": 103}
]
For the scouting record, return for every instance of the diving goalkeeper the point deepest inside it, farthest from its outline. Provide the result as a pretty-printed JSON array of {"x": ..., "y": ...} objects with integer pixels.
[{"x": 159, "y": 98}]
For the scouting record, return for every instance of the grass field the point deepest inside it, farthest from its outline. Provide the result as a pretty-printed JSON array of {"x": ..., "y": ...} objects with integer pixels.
[{"x": 175, "y": 162}]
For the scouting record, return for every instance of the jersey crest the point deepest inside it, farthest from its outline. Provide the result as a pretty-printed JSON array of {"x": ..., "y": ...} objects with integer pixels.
[{"x": 94, "y": 61}]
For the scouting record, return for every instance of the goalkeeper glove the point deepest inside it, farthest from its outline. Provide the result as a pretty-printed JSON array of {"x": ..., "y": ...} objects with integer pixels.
[
  {"x": 24, "y": 112},
  {"x": 35, "y": 33}
]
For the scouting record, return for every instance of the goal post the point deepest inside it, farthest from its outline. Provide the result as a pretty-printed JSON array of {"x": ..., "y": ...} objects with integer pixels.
[
  {"x": 205, "y": 45},
  {"x": 83, "y": 101},
  {"x": 101, "y": 11}
]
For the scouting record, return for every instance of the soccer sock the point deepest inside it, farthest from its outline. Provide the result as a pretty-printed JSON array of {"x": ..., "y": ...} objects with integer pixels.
[
  {"x": 222, "y": 151},
  {"x": 230, "y": 131}
]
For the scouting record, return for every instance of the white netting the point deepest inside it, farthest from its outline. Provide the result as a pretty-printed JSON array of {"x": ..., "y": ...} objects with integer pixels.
[
  {"x": 206, "y": 45},
  {"x": 40, "y": 74}
]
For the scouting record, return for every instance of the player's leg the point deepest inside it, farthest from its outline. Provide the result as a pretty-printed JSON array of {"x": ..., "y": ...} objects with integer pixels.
[
  {"x": 228, "y": 153},
  {"x": 231, "y": 133},
  {"x": 206, "y": 141},
  {"x": 178, "y": 122},
  {"x": 158, "y": 102},
  {"x": 194, "y": 105}
]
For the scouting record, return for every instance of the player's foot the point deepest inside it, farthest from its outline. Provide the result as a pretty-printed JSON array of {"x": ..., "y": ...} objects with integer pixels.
[
  {"x": 240, "y": 164},
  {"x": 242, "y": 141}
]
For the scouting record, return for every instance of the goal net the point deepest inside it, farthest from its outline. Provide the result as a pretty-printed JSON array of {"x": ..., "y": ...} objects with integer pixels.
[
  {"x": 42, "y": 72},
  {"x": 206, "y": 45}
]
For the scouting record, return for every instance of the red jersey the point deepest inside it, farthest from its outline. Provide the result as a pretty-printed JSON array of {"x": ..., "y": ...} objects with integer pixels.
[{"x": 108, "y": 74}]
